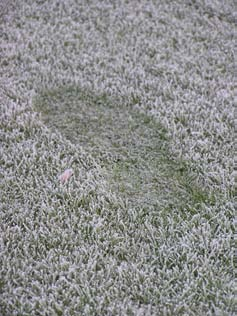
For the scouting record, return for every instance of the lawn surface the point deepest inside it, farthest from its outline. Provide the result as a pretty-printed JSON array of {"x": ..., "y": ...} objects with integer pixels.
[{"x": 138, "y": 99}]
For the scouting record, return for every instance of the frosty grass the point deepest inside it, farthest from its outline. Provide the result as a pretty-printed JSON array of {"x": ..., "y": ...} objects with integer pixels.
[{"x": 137, "y": 97}]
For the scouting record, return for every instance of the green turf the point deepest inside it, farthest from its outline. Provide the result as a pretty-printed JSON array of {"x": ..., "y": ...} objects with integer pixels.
[{"x": 131, "y": 147}]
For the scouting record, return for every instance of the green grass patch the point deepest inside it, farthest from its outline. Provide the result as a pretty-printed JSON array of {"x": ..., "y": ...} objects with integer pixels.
[{"x": 132, "y": 148}]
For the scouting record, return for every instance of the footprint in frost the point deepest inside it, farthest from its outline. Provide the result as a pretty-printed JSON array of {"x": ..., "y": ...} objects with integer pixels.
[{"x": 132, "y": 147}]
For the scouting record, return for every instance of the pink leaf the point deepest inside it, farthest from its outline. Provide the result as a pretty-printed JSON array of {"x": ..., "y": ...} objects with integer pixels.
[{"x": 64, "y": 177}]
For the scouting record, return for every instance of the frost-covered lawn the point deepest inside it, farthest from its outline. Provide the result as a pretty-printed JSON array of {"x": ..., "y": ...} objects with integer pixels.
[{"x": 137, "y": 97}]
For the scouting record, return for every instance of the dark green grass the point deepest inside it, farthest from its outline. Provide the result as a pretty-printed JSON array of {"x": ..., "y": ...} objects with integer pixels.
[{"x": 132, "y": 148}]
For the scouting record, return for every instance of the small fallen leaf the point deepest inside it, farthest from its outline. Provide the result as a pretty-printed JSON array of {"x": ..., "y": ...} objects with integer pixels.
[{"x": 64, "y": 177}]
